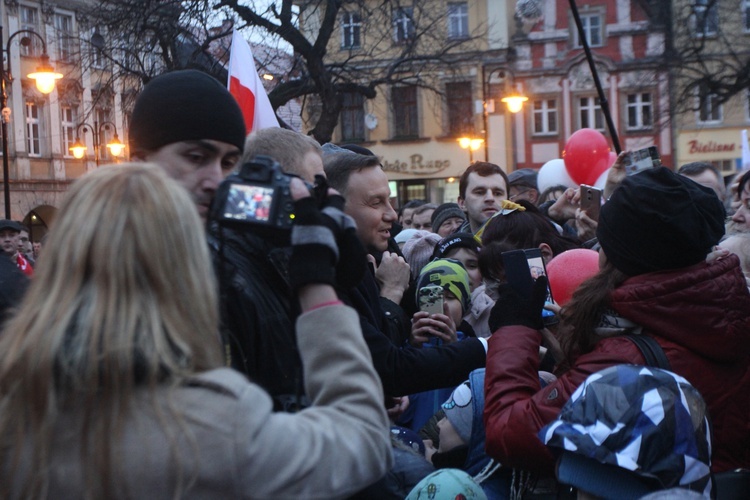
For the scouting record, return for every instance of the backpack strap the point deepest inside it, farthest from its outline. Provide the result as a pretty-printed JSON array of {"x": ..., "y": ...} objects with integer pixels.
[{"x": 651, "y": 351}]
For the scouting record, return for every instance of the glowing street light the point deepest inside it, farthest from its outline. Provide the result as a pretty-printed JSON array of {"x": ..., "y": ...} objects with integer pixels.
[
  {"x": 470, "y": 143},
  {"x": 45, "y": 77}
]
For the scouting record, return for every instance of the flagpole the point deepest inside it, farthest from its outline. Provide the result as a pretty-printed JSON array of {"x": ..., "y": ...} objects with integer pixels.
[{"x": 603, "y": 102}]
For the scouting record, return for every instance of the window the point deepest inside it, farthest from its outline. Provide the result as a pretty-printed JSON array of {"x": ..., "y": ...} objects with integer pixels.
[
  {"x": 593, "y": 29},
  {"x": 460, "y": 116},
  {"x": 30, "y": 21},
  {"x": 709, "y": 109},
  {"x": 590, "y": 113},
  {"x": 458, "y": 20},
  {"x": 545, "y": 116},
  {"x": 746, "y": 14},
  {"x": 97, "y": 50},
  {"x": 705, "y": 18},
  {"x": 403, "y": 24},
  {"x": 351, "y": 26},
  {"x": 639, "y": 111},
  {"x": 68, "y": 119},
  {"x": 353, "y": 117},
  {"x": 64, "y": 32},
  {"x": 404, "y": 101},
  {"x": 33, "y": 142}
]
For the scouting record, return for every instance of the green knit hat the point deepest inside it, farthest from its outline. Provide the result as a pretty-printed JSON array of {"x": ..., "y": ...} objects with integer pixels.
[{"x": 451, "y": 275}]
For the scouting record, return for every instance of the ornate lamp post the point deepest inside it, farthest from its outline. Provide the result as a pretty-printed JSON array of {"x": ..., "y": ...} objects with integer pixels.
[
  {"x": 45, "y": 77},
  {"x": 97, "y": 131},
  {"x": 470, "y": 143}
]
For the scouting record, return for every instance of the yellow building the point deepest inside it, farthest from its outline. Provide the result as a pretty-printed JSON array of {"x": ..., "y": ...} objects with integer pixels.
[
  {"x": 710, "y": 131},
  {"x": 42, "y": 128},
  {"x": 423, "y": 108}
]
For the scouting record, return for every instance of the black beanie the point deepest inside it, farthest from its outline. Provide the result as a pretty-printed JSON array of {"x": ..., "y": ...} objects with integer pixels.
[
  {"x": 185, "y": 105},
  {"x": 444, "y": 212},
  {"x": 453, "y": 241},
  {"x": 657, "y": 220}
]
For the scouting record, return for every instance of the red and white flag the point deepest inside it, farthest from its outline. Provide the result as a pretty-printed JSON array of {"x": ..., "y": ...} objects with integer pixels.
[{"x": 246, "y": 86}]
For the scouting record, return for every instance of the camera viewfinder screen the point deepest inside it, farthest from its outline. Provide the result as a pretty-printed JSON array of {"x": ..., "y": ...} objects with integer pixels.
[{"x": 248, "y": 202}]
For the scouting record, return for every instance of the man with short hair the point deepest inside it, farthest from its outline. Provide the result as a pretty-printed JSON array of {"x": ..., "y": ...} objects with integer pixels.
[
  {"x": 258, "y": 313},
  {"x": 706, "y": 175},
  {"x": 422, "y": 217},
  {"x": 364, "y": 184},
  {"x": 407, "y": 211},
  {"x": 481, "y": 189},
  {"x": 297, "y": 154},
  {"x": 10, "y": 231}
]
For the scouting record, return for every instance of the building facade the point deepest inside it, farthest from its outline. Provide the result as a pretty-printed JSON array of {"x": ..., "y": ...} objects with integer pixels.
[
  {"x": 709, "y": 128},
  {"x": 42, "y": 128},
  {"x": 552, "y": 70},
  {"x": 415, "y": 121}
]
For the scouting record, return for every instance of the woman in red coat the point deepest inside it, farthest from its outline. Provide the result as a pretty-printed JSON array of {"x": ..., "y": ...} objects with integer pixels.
[{"x": 655, "y": 233}]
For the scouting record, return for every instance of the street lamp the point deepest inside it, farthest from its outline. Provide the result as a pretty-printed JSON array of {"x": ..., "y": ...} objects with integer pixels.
[
  {"x": 45, "y": 77},
  {"x": 514, "y": 101},
  {"x": 511, "y": 98},
  {"x": 470, "y": 143},
  {"x": 79, "y": 149}
]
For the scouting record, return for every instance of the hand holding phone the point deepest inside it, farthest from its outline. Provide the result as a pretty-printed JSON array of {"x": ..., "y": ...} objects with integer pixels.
[
  {"x": 523, "y": 269},
  {"x": 591, "y": 201},
  {"x": 642, "y": 159}
]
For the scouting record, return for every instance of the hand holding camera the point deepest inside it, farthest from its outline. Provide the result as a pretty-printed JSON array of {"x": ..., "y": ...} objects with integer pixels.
[{"x": 325, "y": 247}]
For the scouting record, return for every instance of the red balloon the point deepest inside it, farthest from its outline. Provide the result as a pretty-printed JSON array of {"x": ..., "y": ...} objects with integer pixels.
[
  {"x": 568, "y": 270},
  {"x": 586, "y": 155}
]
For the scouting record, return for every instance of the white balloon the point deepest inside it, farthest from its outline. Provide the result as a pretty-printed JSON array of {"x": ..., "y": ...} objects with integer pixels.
[
  {"x": 602, "y": 180},
  {"x": 553, "y": 173}
]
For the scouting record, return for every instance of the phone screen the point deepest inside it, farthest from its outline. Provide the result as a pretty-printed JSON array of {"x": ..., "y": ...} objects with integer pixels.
[{"x": 642, "y": 159}]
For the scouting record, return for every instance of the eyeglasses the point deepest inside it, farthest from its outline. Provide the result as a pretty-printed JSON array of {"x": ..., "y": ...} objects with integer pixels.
[{"x": 513, "y": 197}]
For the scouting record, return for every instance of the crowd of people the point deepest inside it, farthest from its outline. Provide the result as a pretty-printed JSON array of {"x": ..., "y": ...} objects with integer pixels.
[{"x": 163, "y": 349}]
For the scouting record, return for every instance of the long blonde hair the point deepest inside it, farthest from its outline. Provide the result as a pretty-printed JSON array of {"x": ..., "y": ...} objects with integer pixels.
[{"x": 124, "y": 297}]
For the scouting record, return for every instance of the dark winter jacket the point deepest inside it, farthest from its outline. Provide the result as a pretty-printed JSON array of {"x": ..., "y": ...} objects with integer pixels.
[
  {"x": 257, "y": 315},
  {"x": 407, "y": 370},
  {"x": 701, "y": 318}
]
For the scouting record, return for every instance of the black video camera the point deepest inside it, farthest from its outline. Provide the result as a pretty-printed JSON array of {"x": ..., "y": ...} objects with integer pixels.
[{"x": 258, "y": 195}]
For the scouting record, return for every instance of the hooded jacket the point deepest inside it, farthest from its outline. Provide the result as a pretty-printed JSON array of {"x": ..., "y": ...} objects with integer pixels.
[{"x": 700, "y": 316}]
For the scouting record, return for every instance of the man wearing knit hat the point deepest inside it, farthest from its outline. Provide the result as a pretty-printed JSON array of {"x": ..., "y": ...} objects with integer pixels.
[
  {"x": 188, "y": 123},
  {"x": 447, "y": 218}
]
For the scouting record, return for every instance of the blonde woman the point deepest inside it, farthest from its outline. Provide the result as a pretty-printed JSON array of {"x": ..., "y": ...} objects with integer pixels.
[{"x": 111, "y": 383}]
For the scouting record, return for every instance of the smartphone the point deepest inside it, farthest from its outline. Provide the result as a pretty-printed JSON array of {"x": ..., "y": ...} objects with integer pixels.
[
  {"x": 642, "y": 159},
  {"x": 522, "y": 268},
  {"x": 591, "y": 201},
  {"x": 431, "y": 299}
]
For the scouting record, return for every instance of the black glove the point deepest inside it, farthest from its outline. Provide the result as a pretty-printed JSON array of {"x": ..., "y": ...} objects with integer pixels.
[
  {"x": 322, "y": 248},
  {"x": 513, "y": 309}
]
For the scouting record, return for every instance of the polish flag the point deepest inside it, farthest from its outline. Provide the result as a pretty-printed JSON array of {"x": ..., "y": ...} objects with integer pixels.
[{"x": 245, "y": 85}]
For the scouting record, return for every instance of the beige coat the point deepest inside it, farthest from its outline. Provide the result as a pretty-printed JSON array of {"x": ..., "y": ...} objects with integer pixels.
[{"x": 240, "y": 449}]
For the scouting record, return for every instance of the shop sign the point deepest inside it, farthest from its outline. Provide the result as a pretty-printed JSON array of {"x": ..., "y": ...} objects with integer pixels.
[
  {"x": 698, "y": 147},
  {"x": 416, "y": 165}
]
